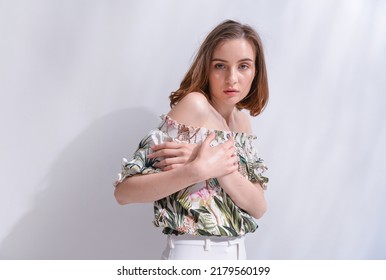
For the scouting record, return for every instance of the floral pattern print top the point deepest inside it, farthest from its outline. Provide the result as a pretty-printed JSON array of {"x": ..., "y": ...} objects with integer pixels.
[{"x": 203, "y": 208}]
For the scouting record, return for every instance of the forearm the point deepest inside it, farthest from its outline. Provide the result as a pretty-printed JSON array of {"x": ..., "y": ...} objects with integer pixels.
[
  {"x": 210, "y": 162},
  {"x": 245, "y": 194},
  {"x": 152, "y": 187}
]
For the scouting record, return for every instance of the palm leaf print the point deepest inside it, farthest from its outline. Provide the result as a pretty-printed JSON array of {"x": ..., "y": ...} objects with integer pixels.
[{"x": 203, "y": 208}]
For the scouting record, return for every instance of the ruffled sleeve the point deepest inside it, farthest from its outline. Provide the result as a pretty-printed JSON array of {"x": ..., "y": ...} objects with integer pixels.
[
  {"x": 258, "y": 168},
  {"x": 254, "y": 165},
  {"x": 140, "y": 163}
]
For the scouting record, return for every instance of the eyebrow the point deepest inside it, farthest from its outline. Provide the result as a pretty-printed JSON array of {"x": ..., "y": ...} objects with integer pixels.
[{"x": 241, "y": 60}]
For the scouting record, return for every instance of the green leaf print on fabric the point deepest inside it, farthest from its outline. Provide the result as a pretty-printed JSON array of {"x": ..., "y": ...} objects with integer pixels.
[{"x": 203, "y": 208}]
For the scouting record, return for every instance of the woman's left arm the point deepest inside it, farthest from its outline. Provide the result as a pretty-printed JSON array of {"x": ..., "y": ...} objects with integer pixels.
[{"x": 245, "y": 194}]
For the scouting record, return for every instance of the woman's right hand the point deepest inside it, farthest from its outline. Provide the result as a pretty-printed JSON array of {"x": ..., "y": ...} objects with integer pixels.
[{"x": 216, "y": 161}]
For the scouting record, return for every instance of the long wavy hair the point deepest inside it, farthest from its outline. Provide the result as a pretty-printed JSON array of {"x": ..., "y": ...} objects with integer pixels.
[{"x": 197, "y": 77}]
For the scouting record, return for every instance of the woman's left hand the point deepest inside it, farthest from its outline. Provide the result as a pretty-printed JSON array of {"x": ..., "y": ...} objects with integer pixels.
[{"x": 173, "y": 154}]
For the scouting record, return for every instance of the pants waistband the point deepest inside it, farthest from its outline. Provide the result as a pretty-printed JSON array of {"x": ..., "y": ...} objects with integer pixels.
[{"x": 206, "y": 241}]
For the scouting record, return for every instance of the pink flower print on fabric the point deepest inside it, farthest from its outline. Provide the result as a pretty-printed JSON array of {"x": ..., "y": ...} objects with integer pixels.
[
  {"x": 189, "y": 226},
  {"x": 204, "y": 195}
]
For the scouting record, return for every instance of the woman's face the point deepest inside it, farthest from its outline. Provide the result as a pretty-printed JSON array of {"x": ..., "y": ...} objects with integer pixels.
[{"x": 231, "y": 72}]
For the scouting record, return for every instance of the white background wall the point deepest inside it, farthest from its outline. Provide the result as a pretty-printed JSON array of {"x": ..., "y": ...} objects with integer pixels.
[{"x": 82, "y": 81}]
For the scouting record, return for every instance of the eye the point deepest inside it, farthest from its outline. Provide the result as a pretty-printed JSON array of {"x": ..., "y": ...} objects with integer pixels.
[
  {"x": 220, "y": 66},
  {"x": 244, "y": 66}
]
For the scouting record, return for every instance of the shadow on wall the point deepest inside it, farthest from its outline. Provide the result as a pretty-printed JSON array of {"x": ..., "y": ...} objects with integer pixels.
[{"x": 76, "y": 216}]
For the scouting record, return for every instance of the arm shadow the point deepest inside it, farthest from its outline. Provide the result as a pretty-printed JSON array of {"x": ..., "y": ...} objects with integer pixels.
[{"x": 76, "y": 215}]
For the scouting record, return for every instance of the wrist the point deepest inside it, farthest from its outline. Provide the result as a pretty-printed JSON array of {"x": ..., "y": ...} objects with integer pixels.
[
  {"x": 195, "y": 171},
  {"x": 230, "y": 175}
]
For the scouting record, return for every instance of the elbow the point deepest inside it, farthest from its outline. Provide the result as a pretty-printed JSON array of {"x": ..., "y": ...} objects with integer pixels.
[
  {"x": 121, "y": 199},
  {"x": 259, "y": 212}
]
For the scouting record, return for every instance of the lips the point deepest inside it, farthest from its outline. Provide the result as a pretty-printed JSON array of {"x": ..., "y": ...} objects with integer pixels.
[{"x": 231, "y": 91}]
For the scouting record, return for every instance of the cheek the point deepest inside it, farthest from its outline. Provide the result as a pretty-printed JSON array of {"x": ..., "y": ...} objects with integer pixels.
[
  {"x": 248, "y": 78},
  {"x": 214, "y": 80}
]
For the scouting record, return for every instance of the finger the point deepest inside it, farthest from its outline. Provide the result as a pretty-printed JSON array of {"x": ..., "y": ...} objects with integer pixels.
[
  {"x": 230, "y": 142},
  {"x": 165, "y": 153},
  {"x": 227, "y": 145},
  {"x": 166, "y": 145},
  {"x": 228, "y": 148},
  {"x": 169, "y": 161},
  {"x": 209, "y": 139},
  {"x": 170, "y": 167},
  {"x": 235, "y": 168},
  {"x": 234, "y": 161}
]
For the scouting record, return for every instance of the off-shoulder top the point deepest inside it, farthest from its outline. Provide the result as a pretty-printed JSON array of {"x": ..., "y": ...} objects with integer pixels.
[{"x": 204, "y": 208}]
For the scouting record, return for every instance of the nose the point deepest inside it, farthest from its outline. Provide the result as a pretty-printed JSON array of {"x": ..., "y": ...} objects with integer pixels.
[{"x": 231, "y": 78}]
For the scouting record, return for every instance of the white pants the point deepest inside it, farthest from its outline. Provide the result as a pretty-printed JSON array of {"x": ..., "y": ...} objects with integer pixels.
[{"x": 190, "y": 247}]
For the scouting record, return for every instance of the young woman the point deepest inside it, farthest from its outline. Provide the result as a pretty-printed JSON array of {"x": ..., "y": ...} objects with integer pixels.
[{"x": 202, "y": 171}]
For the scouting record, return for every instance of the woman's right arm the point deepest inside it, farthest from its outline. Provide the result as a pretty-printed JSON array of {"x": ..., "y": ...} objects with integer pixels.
[
  {"x": 210, "y": 162},
  {"x": 151, "y": 187}
]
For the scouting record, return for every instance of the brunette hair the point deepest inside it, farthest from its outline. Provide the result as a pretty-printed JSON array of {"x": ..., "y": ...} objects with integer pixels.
[{"x": 197, "y": 77}]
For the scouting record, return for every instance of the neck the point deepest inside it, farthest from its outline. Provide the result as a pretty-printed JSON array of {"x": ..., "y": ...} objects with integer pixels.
[{"x": 226, "y": 112}]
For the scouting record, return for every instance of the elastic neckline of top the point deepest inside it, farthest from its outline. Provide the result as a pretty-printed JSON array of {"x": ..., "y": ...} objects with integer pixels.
[{"x": 177, "y": 125}]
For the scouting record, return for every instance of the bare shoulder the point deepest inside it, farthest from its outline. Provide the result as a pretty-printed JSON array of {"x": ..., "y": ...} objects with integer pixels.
[
  {"x": 243, "y": 122},
  {"x": 192, "y": 110}
]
